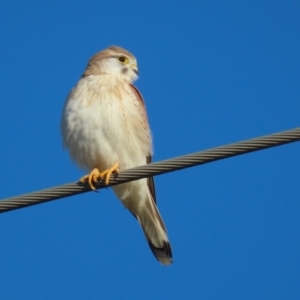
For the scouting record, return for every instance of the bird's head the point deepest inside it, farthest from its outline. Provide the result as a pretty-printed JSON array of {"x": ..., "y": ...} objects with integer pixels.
[{"x": 114, "y": 61}]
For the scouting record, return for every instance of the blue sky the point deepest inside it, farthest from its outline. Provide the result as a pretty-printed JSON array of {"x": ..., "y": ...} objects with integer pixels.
[{"x": 211, "y": 73}]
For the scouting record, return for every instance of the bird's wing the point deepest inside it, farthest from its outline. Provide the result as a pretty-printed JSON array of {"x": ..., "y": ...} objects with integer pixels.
[{"x": 150, "y": 180}]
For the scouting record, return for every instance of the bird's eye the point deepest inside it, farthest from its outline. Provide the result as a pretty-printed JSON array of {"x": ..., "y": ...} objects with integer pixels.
[{"x": 123, "y": 59}]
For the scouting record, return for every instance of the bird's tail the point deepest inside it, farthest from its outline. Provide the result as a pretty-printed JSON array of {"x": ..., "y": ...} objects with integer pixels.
[{"x": 155, "y": 231}]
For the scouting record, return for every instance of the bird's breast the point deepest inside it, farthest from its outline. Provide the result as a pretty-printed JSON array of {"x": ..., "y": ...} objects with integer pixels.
[{"x": 103, "y": 124}]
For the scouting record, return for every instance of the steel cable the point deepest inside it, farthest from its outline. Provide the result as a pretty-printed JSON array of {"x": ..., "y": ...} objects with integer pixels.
[{"x": 154, "y": 169}]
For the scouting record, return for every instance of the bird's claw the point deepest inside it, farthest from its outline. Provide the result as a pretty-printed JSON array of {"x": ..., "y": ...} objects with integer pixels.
[{"x": 95, "y": 176}]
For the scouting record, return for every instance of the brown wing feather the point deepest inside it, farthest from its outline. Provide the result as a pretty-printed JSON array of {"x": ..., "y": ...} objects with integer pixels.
[
  {"x": 138, "y": 95},
  {"x": 151, "y": 181},
  {"x": 149, "y": 158}
]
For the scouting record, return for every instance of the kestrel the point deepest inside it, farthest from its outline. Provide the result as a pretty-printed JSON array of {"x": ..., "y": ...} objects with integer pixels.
[{"x": 106, "y": 130}]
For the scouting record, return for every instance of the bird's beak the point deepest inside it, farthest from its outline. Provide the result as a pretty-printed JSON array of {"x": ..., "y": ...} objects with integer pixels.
[{"x": 135, "y": 68}]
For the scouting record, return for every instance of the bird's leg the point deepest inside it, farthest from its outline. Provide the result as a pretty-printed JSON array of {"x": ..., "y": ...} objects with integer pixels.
[{"x": 95, "y": 176}]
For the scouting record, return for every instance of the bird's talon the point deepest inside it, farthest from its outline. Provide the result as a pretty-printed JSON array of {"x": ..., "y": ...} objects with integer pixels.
[
  {"x": 106, "y": 174},
  {"x": 91, "y": 178},
  {"x": 96, "y": 176}
]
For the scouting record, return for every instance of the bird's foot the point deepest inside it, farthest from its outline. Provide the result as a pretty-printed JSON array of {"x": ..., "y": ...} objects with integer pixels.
[
  {"x": 95, "y": 176},
  {"x": 106, "y": 174}
]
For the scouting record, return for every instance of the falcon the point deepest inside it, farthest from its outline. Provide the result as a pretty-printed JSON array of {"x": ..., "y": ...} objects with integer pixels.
[{"x": 105, "y": 128}]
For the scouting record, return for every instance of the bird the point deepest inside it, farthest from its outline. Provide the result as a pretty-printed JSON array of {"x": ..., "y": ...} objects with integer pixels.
[{"x": 105, "y": 128}]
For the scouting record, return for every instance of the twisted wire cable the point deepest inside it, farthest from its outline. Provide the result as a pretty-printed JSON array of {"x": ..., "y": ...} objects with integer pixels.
[{"x": 154, "y": 169}]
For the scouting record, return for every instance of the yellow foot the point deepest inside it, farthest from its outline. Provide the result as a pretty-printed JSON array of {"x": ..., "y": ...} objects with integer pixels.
[
  {"x": 95, "y": 176},
  {"x": 106, "y": 174}
]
